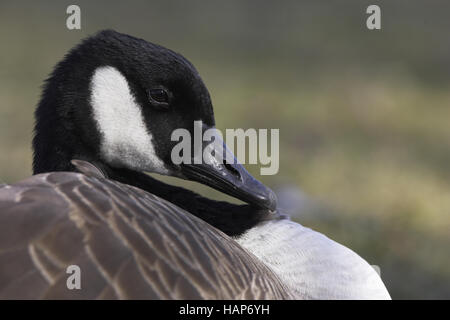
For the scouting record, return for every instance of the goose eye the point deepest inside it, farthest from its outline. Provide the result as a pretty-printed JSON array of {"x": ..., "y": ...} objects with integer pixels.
[{"x": 159, "y": 95}]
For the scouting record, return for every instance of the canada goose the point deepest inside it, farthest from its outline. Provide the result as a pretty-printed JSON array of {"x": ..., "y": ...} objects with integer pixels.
[{"x": 105, "y": 117}]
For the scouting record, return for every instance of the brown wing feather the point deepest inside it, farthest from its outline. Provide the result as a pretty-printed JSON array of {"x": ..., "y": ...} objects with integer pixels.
[{"x": 128, "y": 243}]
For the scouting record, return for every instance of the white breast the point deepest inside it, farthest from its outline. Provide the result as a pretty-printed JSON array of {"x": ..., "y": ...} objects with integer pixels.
[{"x": 312, "y": 265}]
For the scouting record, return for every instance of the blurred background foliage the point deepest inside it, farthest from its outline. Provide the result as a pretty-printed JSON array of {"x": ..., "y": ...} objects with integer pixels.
[{"x": 363, "y": 115}]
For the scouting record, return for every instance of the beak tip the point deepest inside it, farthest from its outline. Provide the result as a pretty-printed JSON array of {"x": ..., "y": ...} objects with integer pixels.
[{"x": 270, "y": 201}]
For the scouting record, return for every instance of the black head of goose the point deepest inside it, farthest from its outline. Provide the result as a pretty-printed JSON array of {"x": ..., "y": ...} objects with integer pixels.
[
  {"x": 115, "y": 101},
  {"x": 108, "y": 111}
]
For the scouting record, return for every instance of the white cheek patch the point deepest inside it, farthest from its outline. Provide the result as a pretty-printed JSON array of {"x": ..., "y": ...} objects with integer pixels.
[{"x": 125, "y": 141}]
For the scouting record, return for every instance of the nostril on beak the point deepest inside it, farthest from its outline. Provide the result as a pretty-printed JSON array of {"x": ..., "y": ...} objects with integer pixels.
[{"x": 233, "y": 171}]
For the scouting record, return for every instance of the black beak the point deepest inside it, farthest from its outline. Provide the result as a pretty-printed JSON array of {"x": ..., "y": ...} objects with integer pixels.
[{"x": 230, "y": 178}]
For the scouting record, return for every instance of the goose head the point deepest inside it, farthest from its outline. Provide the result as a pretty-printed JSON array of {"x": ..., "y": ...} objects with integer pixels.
[{"x": 115, "y": 101}]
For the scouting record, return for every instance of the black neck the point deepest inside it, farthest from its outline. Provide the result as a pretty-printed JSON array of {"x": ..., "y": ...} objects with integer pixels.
[{"x": 232, "y": 219}]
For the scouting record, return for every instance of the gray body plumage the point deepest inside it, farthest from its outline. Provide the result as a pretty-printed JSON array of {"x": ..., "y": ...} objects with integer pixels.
[{"x": 128, "y": 243}]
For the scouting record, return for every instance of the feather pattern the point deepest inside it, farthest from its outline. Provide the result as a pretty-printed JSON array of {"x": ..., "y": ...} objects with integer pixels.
[{"x": 129, "y": 244}]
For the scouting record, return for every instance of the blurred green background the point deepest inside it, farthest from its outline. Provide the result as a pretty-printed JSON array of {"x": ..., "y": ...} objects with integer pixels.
[{"x": 363, "y": 115}]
